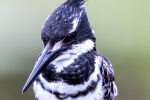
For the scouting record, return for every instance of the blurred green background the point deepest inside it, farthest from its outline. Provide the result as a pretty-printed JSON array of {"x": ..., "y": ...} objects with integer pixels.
[{"x": 123, "y": 35}]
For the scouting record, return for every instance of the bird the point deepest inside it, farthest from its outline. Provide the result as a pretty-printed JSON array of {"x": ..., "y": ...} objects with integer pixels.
[{"x": 69, "y": 66}]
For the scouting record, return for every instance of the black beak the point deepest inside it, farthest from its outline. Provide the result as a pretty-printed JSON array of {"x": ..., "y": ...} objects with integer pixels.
[{"x": 45, "y": 58}]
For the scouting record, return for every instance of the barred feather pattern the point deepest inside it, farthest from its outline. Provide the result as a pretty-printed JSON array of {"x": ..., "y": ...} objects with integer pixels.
[
  {"x": 99, "y": 86},
  {"x": 108, "y": 81},
  {"x": 79, "y": 73}
]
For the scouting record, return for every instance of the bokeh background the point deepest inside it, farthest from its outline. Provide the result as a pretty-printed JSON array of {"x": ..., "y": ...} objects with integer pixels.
[{"x": 123, "y": 35}]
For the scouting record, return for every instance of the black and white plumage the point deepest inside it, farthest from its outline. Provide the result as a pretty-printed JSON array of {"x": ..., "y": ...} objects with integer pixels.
[{"x": 69, "y": 67}]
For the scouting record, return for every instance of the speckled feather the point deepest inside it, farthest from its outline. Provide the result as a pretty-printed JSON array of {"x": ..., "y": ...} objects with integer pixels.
[
  {"x": 61, "y": 22},
  {"x": 80, "y": 72}
]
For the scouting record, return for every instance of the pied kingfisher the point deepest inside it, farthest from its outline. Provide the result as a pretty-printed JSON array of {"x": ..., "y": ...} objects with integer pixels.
[{"x": 69, "y": 67}]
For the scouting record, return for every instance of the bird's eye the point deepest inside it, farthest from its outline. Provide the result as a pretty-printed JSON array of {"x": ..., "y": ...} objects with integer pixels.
[
  {"x": 69, "y": 37},
  {"x": 45, "y": 41}
]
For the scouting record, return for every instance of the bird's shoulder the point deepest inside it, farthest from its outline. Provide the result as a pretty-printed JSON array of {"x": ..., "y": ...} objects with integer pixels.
[
  {"x": 107, "y": 76},
  {"x": 105, "y": 66}
]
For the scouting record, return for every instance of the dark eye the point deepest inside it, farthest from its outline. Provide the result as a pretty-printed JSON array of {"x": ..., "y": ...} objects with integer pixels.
[
  {"x": 45, "y": 41},
  {"x": 69, "y": 37}
]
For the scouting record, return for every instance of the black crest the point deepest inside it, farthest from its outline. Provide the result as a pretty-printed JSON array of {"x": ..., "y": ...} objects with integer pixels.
[
  {"x": 76, "y": 2},
  {"x": 68, "y": 18}
]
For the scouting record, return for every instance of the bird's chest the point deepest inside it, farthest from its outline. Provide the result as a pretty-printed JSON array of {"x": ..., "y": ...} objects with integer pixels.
[
  {"x": 50, "y": 91},
  {"x": 65, "y": 89},
  {"x": 78, "y": 79},
  {"x": 66, "y": 92},
  {"x": 70, "y": 70}
]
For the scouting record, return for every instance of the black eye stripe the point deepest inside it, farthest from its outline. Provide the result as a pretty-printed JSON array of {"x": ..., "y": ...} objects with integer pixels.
[
  {"x": 69, "y": 37},
  {"x": 45, "y": 41}
]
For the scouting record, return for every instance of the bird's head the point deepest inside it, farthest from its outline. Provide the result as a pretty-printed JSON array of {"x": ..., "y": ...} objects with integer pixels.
[{"x": 67, "y": 26}]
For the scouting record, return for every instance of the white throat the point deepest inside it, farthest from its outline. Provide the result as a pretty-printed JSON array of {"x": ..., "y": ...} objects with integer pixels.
[{"x": 68, "y": 57}]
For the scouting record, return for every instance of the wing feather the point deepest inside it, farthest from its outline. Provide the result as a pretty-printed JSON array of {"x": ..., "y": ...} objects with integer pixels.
[{"x": 108, "y": 80}]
